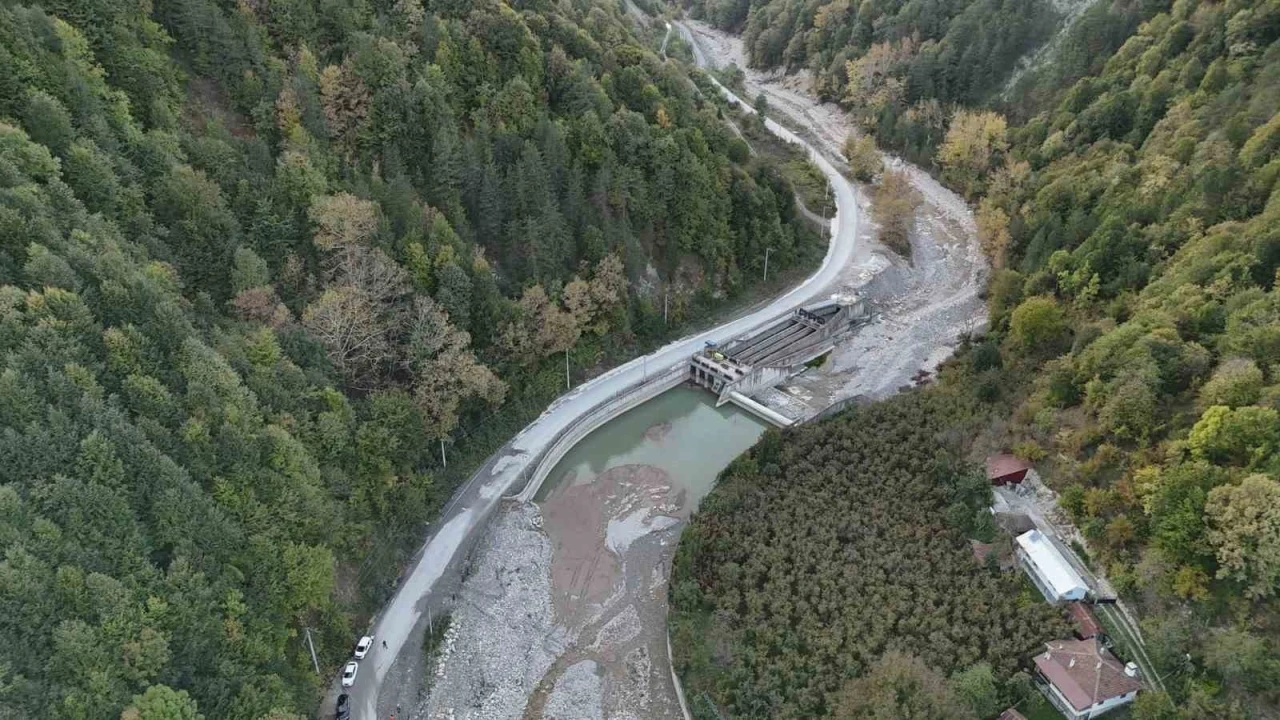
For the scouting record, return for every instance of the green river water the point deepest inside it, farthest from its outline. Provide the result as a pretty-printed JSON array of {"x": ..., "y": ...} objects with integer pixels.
[{"x": 680, "y": 431}]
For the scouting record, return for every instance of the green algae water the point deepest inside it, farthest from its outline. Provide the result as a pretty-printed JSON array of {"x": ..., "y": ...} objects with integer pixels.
[{"x": 681, "y": 431}]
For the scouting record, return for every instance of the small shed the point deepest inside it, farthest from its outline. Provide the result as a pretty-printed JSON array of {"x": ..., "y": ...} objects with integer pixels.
[
  {"x": 1085, "y": 622},
  {"x": 1006, "y": 469},
  {"x": 1011, "y": 714}
]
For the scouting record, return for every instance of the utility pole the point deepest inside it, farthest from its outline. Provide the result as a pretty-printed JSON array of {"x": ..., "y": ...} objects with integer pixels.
[
  {"x": 443, "y": 459},
  {"x": 314, "y": 662},
  {"x": 766, "y": 263},
  {"x": 666, "y": 295},
  {"x": 567, "y": 384}
]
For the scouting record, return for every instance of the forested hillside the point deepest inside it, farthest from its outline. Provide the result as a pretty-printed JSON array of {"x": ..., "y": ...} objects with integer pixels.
[
  {"x": 892, "y": 61},
  {"x": 1136, "y": 225},
  {"x": 262, "y": 262},
  {"x": 1127, "y": 194},
  {"x": 828, "y": 575}
]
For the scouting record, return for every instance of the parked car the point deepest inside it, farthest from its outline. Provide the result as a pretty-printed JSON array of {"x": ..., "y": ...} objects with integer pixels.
[
  {"x": 349, "y": 673},
  {"x": 362, "y": 647},
  {"x": 344, "y": 707}
]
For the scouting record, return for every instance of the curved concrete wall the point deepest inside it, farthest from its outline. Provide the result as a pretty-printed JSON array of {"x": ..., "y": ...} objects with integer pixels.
[
  {"x": 597, "y": 417},
  {"x": 767, "y": 414},
  {"x": 675, "y": 679}
]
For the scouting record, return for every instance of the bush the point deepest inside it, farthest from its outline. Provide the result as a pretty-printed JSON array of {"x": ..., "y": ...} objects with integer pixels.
[
  {"x": 863, "y": 157},
  {"x": 1038, "y": 326}
]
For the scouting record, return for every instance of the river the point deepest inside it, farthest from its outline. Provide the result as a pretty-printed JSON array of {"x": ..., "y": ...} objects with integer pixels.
[
  {"x": 681, "y": 432},
  {"x": 562, "y": 610}
]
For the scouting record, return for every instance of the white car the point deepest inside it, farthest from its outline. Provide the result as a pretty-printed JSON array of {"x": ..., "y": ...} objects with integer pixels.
[
  {"x": 362, "y": 647},
  {"x": 349, "y": 673}
]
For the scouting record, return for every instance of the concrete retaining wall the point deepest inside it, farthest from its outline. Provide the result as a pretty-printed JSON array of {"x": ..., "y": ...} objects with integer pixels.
[
  {"x": 760, "y": 411},
  {"x": 598, "y": 416},
  {"x": 758, "y": 378},
  {"x": 675, "y": 680}
]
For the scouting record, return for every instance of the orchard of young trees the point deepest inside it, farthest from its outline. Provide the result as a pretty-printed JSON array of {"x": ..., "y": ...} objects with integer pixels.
[
  {"x": 829, "y": 575},
  {"x": 261, "y": 261},
  {"x": 1127, "y": 191}
]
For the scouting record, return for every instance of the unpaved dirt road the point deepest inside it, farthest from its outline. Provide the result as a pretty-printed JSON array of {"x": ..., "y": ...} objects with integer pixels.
[
  {"x": 563, "y": 613},
  {"x": 923, "y": 306}
]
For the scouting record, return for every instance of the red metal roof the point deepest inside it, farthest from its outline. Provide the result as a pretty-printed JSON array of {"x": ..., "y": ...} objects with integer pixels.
[
  {"x": 999, "y": 466},
  {"x": 1084, "y": 673},
  {"x": 1086, "y": 623}
]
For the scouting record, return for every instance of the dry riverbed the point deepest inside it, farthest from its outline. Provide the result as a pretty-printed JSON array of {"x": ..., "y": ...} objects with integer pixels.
[
  {"x": 563, "y": 612},
  {"x": 922, "y": 305}
]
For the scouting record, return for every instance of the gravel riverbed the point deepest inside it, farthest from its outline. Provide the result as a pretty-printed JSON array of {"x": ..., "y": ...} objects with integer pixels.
[{"x": 563, "y": 613}]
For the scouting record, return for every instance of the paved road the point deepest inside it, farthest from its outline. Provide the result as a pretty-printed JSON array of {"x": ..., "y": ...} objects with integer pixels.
[{"x": 474, "y": 502}]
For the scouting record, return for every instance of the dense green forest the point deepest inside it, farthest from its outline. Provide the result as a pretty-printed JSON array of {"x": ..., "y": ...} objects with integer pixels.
[
  {"x": 261, "y": 261},
  {"x": 833, "y": 560},
  {"x": 1126, "y": 190}
]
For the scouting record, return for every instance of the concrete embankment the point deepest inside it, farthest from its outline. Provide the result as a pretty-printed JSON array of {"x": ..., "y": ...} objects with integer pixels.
[
  {"x": 597, "y": 417},
  {"x": 768, "y": 415}
]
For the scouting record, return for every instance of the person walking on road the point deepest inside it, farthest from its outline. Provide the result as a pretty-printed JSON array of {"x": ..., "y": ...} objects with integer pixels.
[{"x": 384, "y": 644}]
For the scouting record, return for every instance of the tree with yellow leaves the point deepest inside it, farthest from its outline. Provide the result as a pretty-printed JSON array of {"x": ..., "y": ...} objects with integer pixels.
[
  {"x": 342, "y": 221},
  {"x": 345, "y": 100},
  {"x": 874, "y": 81},
  {"x": 974, "y": 144},
  {"x": 1244, "y": 528},
  {"x": 993, "y": 231},
  {"x": 863, "y": 157},
  {"x": 445, "y": 369},
  {"x": 895, "y": 210}
]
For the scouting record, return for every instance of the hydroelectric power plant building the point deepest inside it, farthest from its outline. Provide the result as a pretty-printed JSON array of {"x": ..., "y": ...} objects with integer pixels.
[{"x": 765, "y": 358}]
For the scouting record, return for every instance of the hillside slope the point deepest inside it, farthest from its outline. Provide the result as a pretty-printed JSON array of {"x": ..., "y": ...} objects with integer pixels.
[
  {"x": 264, "y": 265},
  {"x": 1127, "y": 193}
]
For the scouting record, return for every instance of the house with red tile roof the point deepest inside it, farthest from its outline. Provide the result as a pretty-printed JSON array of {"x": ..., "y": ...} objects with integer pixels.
[{"x": 1084, "y": 680}]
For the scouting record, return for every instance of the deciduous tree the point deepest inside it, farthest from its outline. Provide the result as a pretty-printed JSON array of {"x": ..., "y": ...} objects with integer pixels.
[
  {"x": 900, "y": 686},
  {"x": 863, "y": 157},
  {"x": 1244, "y": 528},
  {"x": 161, "y": 702},
  {"x": 974, "y": 145},
  {"x": 896, "y": 202}
]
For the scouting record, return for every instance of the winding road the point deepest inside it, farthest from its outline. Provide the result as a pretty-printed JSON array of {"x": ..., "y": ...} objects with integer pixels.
[{"x": 466, "y": 514}]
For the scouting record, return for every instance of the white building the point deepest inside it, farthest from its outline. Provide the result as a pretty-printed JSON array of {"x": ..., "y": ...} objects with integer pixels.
[
  {"x": 1083, "y": 680},
  {"x": 1048, "y": 569}
]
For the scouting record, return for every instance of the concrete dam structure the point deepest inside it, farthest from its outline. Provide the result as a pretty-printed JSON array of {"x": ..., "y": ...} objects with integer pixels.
[{"x": 769, "y": 356}]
